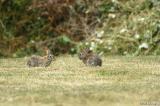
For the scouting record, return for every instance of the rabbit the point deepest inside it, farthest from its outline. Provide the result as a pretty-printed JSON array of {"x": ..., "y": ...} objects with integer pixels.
[
  {"x": 89, "y": 58},
  {"x": 39, "y": 61}
]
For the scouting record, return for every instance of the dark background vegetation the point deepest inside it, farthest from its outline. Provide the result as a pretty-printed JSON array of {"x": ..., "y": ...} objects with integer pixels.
[{"x": 120, "y": 27}]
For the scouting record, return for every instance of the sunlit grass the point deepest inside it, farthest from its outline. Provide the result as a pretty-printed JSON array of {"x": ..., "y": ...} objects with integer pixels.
[{"x": 125, "y": 81}]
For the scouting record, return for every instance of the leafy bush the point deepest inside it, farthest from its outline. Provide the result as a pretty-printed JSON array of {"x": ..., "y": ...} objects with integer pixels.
[
  {"x": 107, "y": 26},
  {"x": 131, "y": 28}
]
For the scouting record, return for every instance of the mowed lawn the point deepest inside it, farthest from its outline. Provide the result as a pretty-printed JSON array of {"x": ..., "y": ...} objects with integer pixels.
[{"x": 121, "y": 81}]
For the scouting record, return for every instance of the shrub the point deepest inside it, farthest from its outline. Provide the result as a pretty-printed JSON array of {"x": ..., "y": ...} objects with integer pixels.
[{"x": 107, "y": 26}]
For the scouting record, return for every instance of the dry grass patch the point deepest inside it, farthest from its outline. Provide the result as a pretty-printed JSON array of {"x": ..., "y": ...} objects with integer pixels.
[{"x": 124, "y": 81}]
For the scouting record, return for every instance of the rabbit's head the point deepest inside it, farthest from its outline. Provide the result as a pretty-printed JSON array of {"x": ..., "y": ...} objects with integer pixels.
[
  {"x": 49, "y": 55},
  {"x": 49, "y": 58},
  {"x": 84, "y": 53}
]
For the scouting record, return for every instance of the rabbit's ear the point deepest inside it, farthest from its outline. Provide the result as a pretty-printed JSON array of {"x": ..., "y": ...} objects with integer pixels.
[
  {"x": 81, "y": 49},
  {"x": 49, "y": 52},
  {"x": 87, "y": 50},
  {"x": 46, "y": 48}
]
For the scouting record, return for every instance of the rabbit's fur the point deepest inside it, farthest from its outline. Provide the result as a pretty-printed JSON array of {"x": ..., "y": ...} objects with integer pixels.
[
  {"x": 89, "y": 58},
  {"x": 38, "y": 61}
]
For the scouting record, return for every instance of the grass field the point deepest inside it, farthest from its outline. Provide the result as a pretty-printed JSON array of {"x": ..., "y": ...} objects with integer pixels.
[{"x": 121, "y": 81}]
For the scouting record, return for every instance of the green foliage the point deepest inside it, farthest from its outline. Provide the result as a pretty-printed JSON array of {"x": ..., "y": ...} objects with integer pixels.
[
  {"x": 108, "y": 27},
  {"x": 108, "y": 7},
  {"x": 131, "y": 28},
  {"x": 64, "y": 40}
]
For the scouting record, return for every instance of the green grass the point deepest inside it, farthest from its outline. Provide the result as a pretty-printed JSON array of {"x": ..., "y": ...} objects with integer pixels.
[{"x": 124, "y": 81}]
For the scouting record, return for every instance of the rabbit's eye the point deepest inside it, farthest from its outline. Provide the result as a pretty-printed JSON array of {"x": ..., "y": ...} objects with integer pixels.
[{"x": 81, "y": 54}]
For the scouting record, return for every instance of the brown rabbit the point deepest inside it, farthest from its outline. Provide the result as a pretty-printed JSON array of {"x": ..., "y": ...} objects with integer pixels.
[
  {"x": 89, "y": 58},
  {"x": 38, "y": 61}
]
